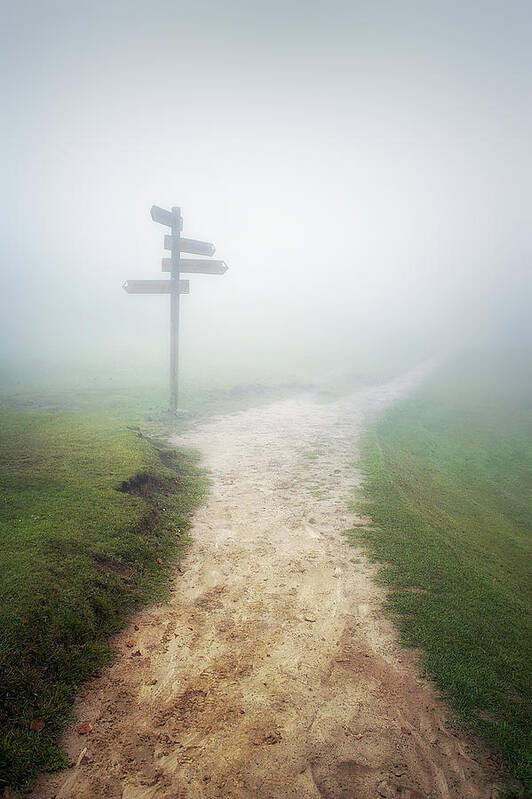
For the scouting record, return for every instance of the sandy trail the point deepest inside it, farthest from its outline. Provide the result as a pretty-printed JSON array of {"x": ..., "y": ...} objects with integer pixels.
[{"x": 272, "y": 672}]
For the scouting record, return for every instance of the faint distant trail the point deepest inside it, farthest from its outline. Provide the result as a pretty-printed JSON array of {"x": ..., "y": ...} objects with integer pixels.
[{"x": 272, "y": 672}]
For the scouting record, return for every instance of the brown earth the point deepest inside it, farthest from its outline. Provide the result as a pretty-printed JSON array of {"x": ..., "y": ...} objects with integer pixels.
[{"x": 272, "y": 672}]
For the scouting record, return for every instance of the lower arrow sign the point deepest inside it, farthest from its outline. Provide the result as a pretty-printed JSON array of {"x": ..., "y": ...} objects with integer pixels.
[{"x": 154, "y": 287}]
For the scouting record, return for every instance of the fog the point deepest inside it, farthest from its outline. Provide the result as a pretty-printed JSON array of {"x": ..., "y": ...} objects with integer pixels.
[{"x": 363, "y": 167}]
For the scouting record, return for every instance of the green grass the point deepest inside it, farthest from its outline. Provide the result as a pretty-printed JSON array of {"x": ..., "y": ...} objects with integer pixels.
[
  {"x": 137, "y": 402},
  {"x": 449, "y": 489},
  {"x": 77, "y": 555}
]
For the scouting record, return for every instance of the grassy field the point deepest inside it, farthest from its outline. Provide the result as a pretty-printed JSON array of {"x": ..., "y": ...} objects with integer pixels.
[
  {"x": 88, "y": 508},
  {"x": 89, "y": 512},
  {"x": 449, "y": 489}
]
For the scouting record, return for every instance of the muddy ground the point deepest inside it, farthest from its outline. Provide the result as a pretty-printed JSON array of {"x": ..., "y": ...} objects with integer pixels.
[{"x": 272, "y": 672}]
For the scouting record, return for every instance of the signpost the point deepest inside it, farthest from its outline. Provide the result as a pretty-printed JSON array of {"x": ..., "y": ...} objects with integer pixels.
[
  {"x": 196, "y": 266},
  {"x": 175, "y": 287},
  {"x": 175, "y": 241},
  {"x": 154, "y": 287}
]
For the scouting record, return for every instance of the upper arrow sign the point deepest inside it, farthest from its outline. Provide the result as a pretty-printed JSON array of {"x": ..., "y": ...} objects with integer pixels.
[
  {"x": 154, "y": 286},
  {"x": 189, "y": 245},
  {"x": 196, "y": 266},
  {"x": 163, "y": 216}
]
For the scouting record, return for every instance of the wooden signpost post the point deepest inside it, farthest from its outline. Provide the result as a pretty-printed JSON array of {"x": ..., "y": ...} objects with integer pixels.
[{"x": 175, "y": 286}]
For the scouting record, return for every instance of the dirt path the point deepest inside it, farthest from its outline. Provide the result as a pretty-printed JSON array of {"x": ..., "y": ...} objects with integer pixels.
[{"x": 272, "y": 672}]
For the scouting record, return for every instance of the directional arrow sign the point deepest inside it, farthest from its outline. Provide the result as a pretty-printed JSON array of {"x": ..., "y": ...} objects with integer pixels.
[
  {"x": 163, "y": 216},
  {"x": 154, "y": 287},
  {"x": 189, "y": 245},
  {"x": 196, "y": 266}
]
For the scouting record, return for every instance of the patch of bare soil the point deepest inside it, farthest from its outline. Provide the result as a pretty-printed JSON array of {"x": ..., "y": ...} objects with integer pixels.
[{"x": 272, "y": 673}]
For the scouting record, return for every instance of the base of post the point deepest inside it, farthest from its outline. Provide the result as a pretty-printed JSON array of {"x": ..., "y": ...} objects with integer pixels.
[{"x": 179, "y": 412}]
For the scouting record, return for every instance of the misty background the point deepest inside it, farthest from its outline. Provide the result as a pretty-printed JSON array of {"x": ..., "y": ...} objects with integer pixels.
[{"x": 363, "y": 167}]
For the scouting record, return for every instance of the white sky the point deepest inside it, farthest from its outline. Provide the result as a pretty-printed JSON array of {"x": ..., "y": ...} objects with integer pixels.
[{"x": 361, "y": 166}]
